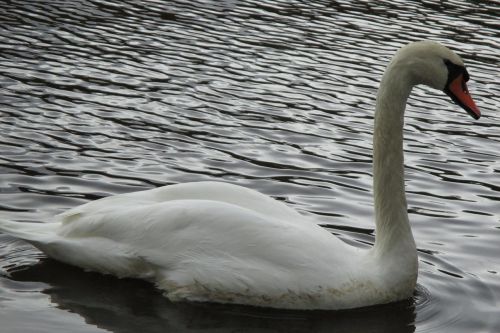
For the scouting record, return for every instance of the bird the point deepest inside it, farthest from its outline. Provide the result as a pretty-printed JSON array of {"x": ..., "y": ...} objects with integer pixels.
[{"x": 218, "y": 242}]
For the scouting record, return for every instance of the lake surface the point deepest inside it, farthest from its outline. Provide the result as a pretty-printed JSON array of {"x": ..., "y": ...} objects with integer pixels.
[{"x": 105, "y": 97}]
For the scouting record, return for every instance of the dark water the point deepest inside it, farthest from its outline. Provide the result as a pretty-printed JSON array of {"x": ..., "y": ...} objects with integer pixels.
[{"x": 105, "y": 97}]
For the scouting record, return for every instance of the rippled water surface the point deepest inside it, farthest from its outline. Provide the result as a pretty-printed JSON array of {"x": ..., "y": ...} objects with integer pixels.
[{"x": 105, "y": 97}]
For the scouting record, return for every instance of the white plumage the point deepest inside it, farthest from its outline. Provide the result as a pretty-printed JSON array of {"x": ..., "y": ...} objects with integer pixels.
[{"x": 217, "y": 242}]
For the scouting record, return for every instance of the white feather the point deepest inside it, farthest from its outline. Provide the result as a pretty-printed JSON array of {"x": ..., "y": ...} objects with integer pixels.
[{"x": 218, "y": 242}]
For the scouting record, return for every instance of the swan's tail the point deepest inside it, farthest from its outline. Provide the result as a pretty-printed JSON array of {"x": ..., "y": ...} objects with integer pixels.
[{"x": 29, "y": 231}]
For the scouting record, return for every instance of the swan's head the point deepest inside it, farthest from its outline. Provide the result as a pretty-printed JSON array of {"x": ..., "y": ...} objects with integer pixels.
[{"x": 435, "y": 65}]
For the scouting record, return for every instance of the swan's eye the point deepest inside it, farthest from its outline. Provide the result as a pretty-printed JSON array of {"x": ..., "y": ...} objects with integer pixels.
[{"x": 455, "y": 70}]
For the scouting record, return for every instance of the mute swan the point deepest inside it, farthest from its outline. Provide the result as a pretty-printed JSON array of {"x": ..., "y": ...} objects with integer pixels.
[{"x": 217, "y": 242}]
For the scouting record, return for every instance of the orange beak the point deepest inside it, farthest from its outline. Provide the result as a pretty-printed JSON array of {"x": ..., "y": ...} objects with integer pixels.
[{"x": 457, "y": 90}]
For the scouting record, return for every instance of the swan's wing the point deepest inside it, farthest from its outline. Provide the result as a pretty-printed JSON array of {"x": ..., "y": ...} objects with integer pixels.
[
  {"x": 207, "y": 250},
  {"x": 213, "y": 191},
  {"x": 200, "y": 240}
]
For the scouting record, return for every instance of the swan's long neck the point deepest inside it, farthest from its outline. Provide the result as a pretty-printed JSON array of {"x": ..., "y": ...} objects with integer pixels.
[{"x": 393, "y": 233}]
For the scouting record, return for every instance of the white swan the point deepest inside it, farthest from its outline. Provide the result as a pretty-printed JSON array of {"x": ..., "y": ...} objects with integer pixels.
[{"x": 218, "y": 242}]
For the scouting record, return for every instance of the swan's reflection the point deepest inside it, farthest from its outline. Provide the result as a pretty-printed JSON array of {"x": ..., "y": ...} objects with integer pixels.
[{"x": 127, "y": 305}]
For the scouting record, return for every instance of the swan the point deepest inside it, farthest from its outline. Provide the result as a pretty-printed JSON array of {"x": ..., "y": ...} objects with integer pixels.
[{"x": 217, "y": 242}]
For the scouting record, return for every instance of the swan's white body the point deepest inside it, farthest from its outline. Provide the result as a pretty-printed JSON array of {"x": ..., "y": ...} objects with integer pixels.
[{"x": 218, "y": 242}]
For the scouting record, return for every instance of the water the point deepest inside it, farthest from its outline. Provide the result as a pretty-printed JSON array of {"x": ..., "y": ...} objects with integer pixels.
[{"x": 105, "y": 97}]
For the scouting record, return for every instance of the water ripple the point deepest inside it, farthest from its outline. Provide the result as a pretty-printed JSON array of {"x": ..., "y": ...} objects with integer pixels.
[{"x": 105, "y": 97}]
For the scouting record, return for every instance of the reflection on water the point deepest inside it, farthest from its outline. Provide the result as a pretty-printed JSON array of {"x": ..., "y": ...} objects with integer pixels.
[
  {"x": 130, "y": 305},
  {"x": 105, "y": 97}
]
